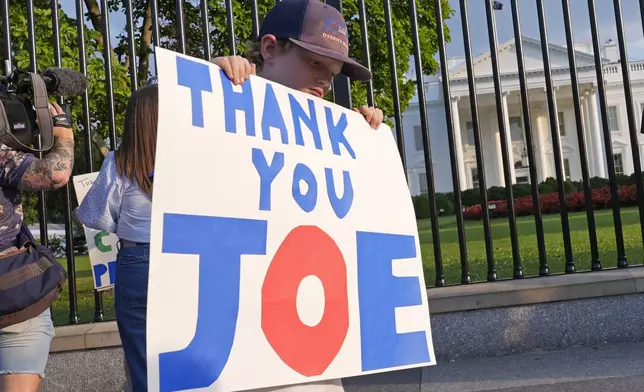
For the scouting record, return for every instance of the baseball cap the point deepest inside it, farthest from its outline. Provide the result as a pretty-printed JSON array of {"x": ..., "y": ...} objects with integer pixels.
[{"x": 316, "y": 27}]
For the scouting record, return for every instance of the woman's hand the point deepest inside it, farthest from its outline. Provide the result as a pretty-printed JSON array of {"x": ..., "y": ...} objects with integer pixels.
[{"x": 237, "y": 68}]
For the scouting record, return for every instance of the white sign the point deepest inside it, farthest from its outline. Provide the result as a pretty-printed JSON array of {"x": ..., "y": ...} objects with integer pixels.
[
  {"x": 101, "y": 246},
  {"x": 284, "y": 246}
]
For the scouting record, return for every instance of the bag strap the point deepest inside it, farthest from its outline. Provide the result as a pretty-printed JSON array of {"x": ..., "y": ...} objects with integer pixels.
[
  {"x": 24, "y": 236},
  {"x": 41, "y": 104}
]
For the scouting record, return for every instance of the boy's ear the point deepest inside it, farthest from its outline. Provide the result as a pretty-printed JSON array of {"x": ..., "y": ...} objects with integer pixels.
[{"x": 269, "y": 48}]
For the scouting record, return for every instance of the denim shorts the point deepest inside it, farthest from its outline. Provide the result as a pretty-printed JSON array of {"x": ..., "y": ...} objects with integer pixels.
[{"x": 24, "y": 347}]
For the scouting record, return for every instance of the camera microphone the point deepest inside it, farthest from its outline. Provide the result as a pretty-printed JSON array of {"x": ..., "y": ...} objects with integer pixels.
[{"x": 64, "y": 81}]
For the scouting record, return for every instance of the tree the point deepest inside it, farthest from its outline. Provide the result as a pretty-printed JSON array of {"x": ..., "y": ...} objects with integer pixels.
[
  {"x": 243, "y": 31},
  {"x": 70, "y": 59},
  {"x": 122, "y": 58}
]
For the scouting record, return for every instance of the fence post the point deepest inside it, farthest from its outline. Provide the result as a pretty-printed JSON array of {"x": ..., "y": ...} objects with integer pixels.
[{"x": 341, "y": 86}]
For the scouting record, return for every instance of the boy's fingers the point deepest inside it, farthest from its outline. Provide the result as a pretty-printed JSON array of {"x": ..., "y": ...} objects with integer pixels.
[
  {"x": 254, "y": 69},
  {"x": 241, "y": 70},
  {"x": 225, "y": 65},
  {"x": 368, "y": 113}
]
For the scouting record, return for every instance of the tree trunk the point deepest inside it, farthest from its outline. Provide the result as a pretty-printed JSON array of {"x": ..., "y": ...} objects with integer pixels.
[
  {"x": 146, "y": 41},
  {"x": 97, "y": 19}
]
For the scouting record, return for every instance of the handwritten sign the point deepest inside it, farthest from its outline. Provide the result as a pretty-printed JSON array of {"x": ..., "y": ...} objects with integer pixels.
[
  {"x": 284, "y": 247},
  {"x": 101, "y": 246}
]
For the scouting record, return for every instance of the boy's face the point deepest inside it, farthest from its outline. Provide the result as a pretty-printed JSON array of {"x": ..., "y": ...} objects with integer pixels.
[{"x": 298, "y": 68}]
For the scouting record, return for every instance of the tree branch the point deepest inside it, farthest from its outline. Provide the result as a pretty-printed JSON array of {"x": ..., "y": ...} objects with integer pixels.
[
  {"x": 97, "y": 19},
  {"x": 146, "y": 41}
]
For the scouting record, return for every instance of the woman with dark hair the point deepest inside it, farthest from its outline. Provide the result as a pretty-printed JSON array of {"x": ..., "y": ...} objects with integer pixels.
[{"x": 120, "y": 201}]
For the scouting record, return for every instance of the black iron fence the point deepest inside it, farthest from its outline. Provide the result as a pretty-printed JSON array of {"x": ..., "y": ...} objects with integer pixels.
[{"x": 38, "y": 33}]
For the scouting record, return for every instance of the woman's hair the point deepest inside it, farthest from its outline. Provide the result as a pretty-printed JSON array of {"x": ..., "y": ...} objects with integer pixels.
[
  {"x": 135, "y": 156},
  {"x": 254, "y": 51}
]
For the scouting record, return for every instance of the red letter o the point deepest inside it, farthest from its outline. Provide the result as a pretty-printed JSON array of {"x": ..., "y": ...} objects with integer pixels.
[{"x": 306, "y": 250}]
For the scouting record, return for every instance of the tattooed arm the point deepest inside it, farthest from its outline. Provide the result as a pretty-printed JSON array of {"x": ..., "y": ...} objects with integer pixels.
[{"x": 54, "y": 169}]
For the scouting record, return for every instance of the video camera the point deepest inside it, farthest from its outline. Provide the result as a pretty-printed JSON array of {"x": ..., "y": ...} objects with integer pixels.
[{"x": 23, "y": 100}]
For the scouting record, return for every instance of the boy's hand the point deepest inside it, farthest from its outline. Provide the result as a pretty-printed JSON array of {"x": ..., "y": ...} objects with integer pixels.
[
  {"x": 237, "y": 68},
  {"x": 373, "y": 115}
]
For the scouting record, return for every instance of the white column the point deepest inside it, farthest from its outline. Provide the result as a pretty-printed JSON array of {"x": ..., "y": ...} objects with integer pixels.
[
  {"x": 541, "y": 141},
  {"x": 598, "y": 155},
  {"x": 498, "y": 157},
  {"x": 458, "y": 144},
  {"x": 561, "y": 155},
  {"x": 587, "y": 136},
  {"x": 508, "y": 134}
]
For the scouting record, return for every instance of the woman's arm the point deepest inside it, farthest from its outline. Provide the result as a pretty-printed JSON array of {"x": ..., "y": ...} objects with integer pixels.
[{"x": 101, "y": 206}]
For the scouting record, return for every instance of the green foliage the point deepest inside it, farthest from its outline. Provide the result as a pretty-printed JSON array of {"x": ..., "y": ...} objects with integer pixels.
[
  {"x": 496, "y": 193},
  {"x": 375, "y": 26},
  {"x": 598, "y": 182},
  {"x": 444, "y": 204},
  {"x": 470, "y": 197},
  {"x": 98, "y": 112},
  {"x": 421, "y": 206},
  {"x": 548, "y": 186},
  {"x": 570, "y": 187},
  {"x": 121, "y": 58},
  {"x": 520, "y": 190}
]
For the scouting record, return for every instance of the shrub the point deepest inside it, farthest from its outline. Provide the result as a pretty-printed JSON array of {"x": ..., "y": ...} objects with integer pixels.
[
  {"x": 548, "y": 186},
  {"x": 624, "y": 180},
  {"x": 421, "y": 206},
  {"x": 496, "y": 193},
  {"x": 520, "y": 190},
  {"x": 470, "y": 197},
  {"x": 444, "y": 204},
  {"x": 575, "y": 201},
  {"x": 598, "y": 182},
  {"x": 570, "y": 187}
]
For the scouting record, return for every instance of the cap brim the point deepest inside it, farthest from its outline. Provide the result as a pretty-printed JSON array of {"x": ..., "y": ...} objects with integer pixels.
[{"x": 351, "y": 68}]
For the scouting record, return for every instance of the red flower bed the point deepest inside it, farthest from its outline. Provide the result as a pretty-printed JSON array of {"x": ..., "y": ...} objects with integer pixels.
[{"x": 550, "y": 203}]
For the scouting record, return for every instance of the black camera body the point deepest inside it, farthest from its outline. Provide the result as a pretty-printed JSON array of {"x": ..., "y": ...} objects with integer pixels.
[{"x": 25, "y": 118}]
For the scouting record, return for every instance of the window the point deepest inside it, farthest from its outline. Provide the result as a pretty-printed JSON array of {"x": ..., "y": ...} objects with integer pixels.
[
  {"x": 613, "y": 122},
  {"x": 470, "y": 133},
  {"x": 475, "y": 177},
  {"x": 619, "y": 164},
  {"x": 523, "y": 180},
  {"x": 566, "y": 164},
  {"x": 562, "y": 124},
  {"x": 418, "y": 137},
  {"x": 516, "y": 129},
  {"x": 422, "y": 182}
]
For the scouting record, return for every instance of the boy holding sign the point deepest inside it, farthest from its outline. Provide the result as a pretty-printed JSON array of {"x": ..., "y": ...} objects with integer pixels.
[{"x": 302, "y": 44}]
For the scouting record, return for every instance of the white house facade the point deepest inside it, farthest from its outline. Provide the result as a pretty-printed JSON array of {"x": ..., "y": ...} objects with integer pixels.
[{"x": 514, "y": 123}]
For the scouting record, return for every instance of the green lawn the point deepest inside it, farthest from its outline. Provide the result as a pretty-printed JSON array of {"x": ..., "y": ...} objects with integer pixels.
[
  {"x": 450, "y": 253},
  {"x": 85, "y": 295},
  {"x": 528, "y": 244}
]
